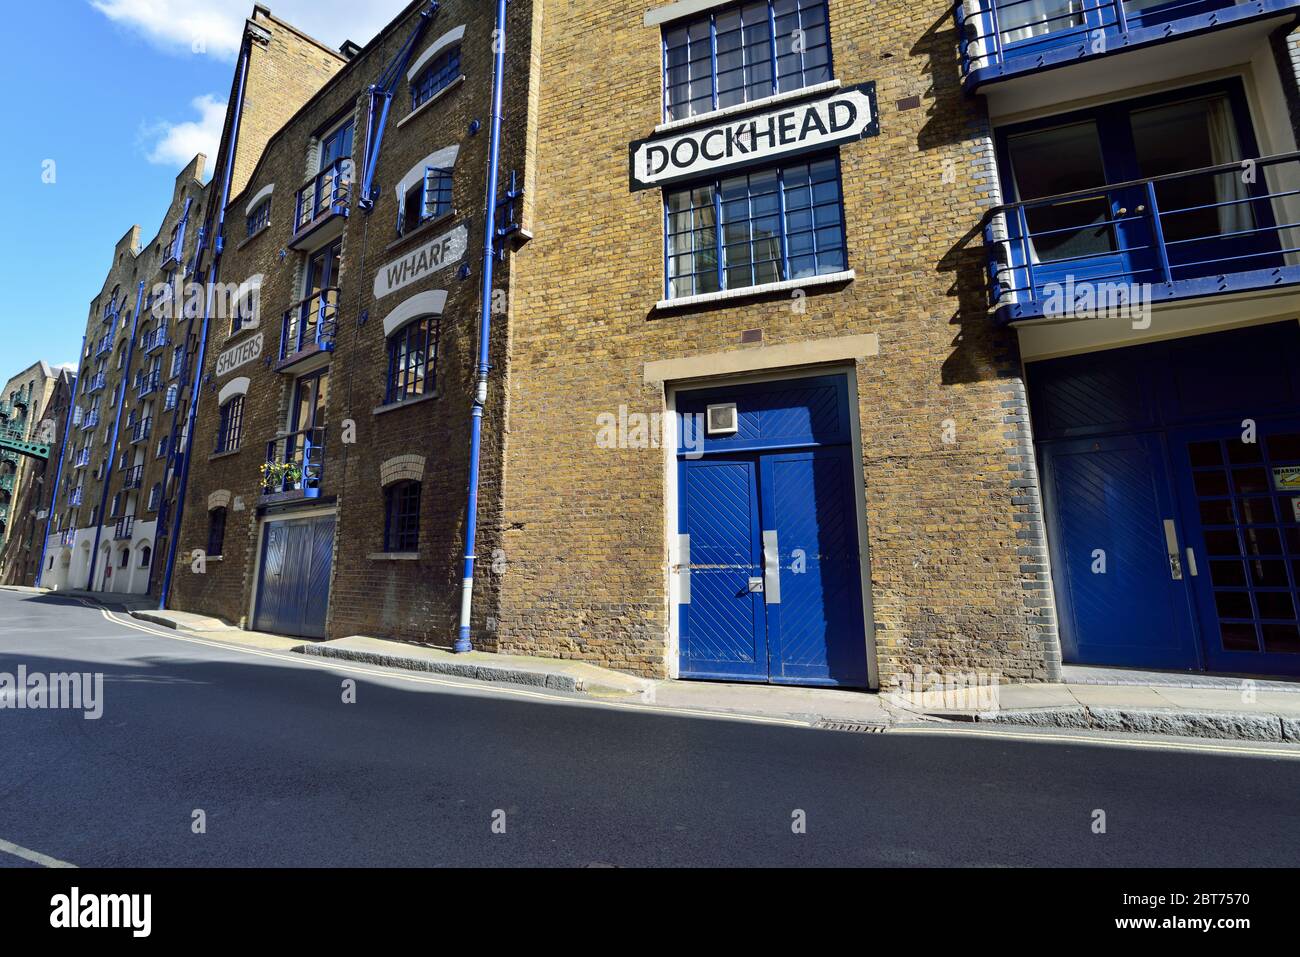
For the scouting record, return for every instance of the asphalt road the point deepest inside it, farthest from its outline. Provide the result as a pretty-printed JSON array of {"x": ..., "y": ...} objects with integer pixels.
[{"x": 417, "y": 771}]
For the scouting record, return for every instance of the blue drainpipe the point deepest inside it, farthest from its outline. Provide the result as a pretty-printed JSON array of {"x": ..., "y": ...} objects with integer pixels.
[
  {"x": 112, "y": 446},
  {"x": 463, "y": 642},
  {"x": 58, "y": 470},
  {"x": 217, "y": 243}
]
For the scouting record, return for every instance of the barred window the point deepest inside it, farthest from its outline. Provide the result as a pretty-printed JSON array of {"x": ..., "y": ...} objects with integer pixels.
[
  {"x": 216, "y": 531},
  {"x": 784, "y": 222},
  {"x": 426, "y": 200},
  {"x": 230, "y": 428},
  {"x": 437, "y": 76},
  {"x": 744, "y": 53},
  {"x": 260, "y": 217},
  {"x": 412, "y": 360},
  {"x": 402, "y": 517}
]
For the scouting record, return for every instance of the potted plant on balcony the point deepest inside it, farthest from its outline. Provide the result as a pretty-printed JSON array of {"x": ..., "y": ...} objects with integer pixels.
[{"x": 280, "y": 477}]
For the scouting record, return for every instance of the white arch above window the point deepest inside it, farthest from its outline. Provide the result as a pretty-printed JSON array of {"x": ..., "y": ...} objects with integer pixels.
[
  {"x": 256, "y": 201},
  {"x": 433, "y": 49},
  {"x": 429, "y": 303},
  {"x": 233, "y": 388},
  {"x": 442, "y": 159}
]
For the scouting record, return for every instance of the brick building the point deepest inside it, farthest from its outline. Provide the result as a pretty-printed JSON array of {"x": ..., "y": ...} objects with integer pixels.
[
  {"x": 328, "y": 474},
  {"x": 29, "y": 413}
]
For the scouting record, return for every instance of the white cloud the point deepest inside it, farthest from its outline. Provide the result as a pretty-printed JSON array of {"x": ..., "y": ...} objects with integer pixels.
[
  {"x": 175, "y": 144},
  {"x": 213, "y": 27}
]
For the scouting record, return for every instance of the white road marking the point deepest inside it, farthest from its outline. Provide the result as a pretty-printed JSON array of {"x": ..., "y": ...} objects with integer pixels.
[
  {"x": 1240, "y": 748},
  {"x": 36, "y": 857}
]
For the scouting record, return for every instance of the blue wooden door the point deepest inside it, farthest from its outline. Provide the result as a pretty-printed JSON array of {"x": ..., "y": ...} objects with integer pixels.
[
  {"x": 1241, "y": 506},
  {"x": 1115, "y": 539},
  {"x": 293, "y": 586},
  {"x": 813, "y": 584},
  {"x": 722, "y": 629}
]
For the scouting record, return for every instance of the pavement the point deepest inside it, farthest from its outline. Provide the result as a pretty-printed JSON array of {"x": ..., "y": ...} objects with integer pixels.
[
  {"x": 1092, "y": 699},
  {"x": 216, "y": 753}
]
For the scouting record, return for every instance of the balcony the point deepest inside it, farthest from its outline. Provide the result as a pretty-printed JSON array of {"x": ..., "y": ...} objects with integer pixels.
[
  {"x": 75, "y": 496},
  {"x": 7, "y": 456},
  {"x": 124, "y": 529},
  {"x": 308, "y": 329},
  {"x": 67, "y": 537},
  {"x": 322, "y": 205},
  {"x": 1004, "y": 39},
  {"x": 155, "y": 340},
  {"x": 295, "y": 466},
  {"x": 134, "y": 478},
  {"x": 95, "y": 383},
  {"x": 147, "y": 383},
  {"x": 81, "y": 459},
  {"x": 140, "y": 430},
  {"x": 6, "y": 410},
  {"x": 105, "y": 346},
  {"x": 90, "y": 421},
  {"x": 22, "y": 400},
  {"x": 1200, "y": 234}
]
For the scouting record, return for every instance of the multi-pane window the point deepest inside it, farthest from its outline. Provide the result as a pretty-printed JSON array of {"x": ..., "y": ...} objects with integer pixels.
[
  {"x": 402, "y": 517},
  {"x": 412, "y": 360},
  {"x": 231, "y": 426},
  {"x": 426, "y": 200},
  {"x": 260, "y": 217},
  {"x": 178, "y": 361},
  {"x": 744, "y": 53},
  {"x": 155, "y": 496},
  {"x": 216, "y": 531},
  {"x": 437, "y": 76},
  {"x": 784, "y": 222}
]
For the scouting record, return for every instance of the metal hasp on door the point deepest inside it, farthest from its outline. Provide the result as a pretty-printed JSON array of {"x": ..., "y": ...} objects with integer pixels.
[
  {"x": 770, "y": 569},
  {"x": 294, "y": 583}
]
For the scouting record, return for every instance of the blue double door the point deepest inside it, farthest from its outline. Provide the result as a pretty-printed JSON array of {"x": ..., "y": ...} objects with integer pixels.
[
  {"x": 294, "y": 581},
  {"x": 770, "y": 581}
]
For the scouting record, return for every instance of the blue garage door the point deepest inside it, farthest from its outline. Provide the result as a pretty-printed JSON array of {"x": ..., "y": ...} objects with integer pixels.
[
  {"x": 773, "y": 588},
  {"x": 294, "y": 582},
  {"x": 1171, "y": 484}
]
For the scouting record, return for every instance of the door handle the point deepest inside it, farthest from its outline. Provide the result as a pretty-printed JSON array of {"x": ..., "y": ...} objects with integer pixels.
[
  {"x": 1191, "y": 562},
  {"x": 771, "y": 568},
  {"x": 1171, "y": 548}
]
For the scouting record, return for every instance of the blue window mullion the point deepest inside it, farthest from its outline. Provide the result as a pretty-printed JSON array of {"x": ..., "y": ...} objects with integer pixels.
[
  {"x": 771, "y": 33},
  {"x": 713, "y": 57},
  {"x": 718, "y": 231},
  {"x": 785, "y": 223}
]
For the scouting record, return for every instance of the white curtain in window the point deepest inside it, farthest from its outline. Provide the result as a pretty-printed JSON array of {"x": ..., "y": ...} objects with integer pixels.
[{"x": 1225, "y": 148}]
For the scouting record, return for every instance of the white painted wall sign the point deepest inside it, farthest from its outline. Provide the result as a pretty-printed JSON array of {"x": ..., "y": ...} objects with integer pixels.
[
  {"x": 236, "y": 356},
  {"x": 425, "y": 259},
  {"x": 844, "y": 115}
]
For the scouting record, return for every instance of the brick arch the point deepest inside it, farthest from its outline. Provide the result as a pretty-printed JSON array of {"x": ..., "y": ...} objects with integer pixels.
[
  {"x": 401, "y": 468},
  {"x": 219, "y": 499}
]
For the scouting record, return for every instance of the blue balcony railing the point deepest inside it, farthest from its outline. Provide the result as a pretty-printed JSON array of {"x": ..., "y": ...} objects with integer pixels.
[
  {"x": 140, "y": 430},
  {"x": 90, "y": 420},
  {"x": 1005, "y": 38},
  {"x": 1201, "y": 233},
  {"x": 148, "y": 383},
  {"x": 309, "y": 327},
  {"x": 134, "y": 478},
  {"x": 81, "y": 459},
  {"x": 105, "y": 345},
  {"x": 67, "y": 537},
  {"x": 156, "y": 340},
  {"x": 326, "y": 195},
  {"x": 95, "y": 383},
  {"x": 295, "y": 464},
  {"x": 75, "y": 496},
  {"x": 124, "y": 529}
]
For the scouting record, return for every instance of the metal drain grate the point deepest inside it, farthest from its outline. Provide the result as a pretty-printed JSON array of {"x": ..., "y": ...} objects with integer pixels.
[{"x": 856, "y": 727}]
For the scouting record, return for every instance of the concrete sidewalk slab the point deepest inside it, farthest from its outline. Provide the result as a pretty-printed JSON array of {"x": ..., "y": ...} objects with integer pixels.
[
  {"x": 850, "y": 710},
  {"x": 183, "y": 620}
]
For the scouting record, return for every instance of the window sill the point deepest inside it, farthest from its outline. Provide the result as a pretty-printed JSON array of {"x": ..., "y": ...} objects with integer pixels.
[
  {"x": 248, "y": 239},
  {"x": 223, "y": 455},
  {"x": 751, "y": 292},
  {"x": 394, "y": 406},
  {"x": 420, "y": 231},
  {"x": 703, "y": 119},
  {"x": 430, "y": 101},
  {"x": 393, "y": 556}
]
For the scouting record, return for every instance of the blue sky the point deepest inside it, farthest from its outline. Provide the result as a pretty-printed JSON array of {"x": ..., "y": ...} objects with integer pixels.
[{"x": 120, "y": 95}]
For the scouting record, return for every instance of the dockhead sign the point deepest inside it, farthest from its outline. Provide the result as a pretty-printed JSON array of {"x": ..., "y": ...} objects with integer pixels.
[{"x": 837, "y": 117}]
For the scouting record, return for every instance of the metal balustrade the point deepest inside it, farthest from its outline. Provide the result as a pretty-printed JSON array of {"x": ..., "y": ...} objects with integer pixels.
[
  {"x": 295, "y": 463},
  {"x": 1150, "y": 237},
  {"x": 134, "y": 478},
  {"x": 124, "y": 528},
  {"x": 140, "y": 430},
  {"x": 327, "y": 194},
  {"x": 309, "y": 326},
  {"x": 148, "y": 383}
]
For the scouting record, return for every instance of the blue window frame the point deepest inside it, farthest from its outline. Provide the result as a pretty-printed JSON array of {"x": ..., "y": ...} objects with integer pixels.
[
  {"x": 778, "y": 223},
  {"x": 426, "y": 200},
  {"x": 743, "y": 53},
  {"x": 336, "y": 145},
  {"x": 437, "y": 76},
  {"x": 412, "y": 360},
  {"x": 260, "y": 217},
  {"x": 231, "y": 426},
  {"x": 402, "y": 517}
]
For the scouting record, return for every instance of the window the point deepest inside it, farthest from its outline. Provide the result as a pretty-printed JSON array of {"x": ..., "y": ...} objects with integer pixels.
[
  {"x": 145, "y": 555},
  {"x": 124, "y": 558},
  {"x": 336, "y": 145},
  {"x": 402, "y": 517},
  {"x": 726, "y": 58},
  {"x": 771, "y": 225},
  {"x": 155, "y": 496},
  {"x": 178, "y": 361},
  {"x": 260, "y": 217},
  {"x": 426, "y": 200},
  {"x": 437, "y": 76},
  {"x": 412, "y": 360},
  {"x": 216, "y": 531},
  {"x": 116, "y": 506},
  {"x": 230, "y": 428}
]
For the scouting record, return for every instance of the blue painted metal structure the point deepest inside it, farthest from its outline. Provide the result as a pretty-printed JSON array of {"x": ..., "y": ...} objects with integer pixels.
[
  {"x": 112, "y": 445},
  {"x": 1197, "y": 532},
  {"x": 773, "y": 588},
  {"x": 1093, "y": 29},
  {"x": 58, "y": 469},
  {"x": 196, "y": 368},
  {"x": 463, "y": 642},
  {"x": 309, "y": 327},
  {"x": 380, "y": 96}
]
